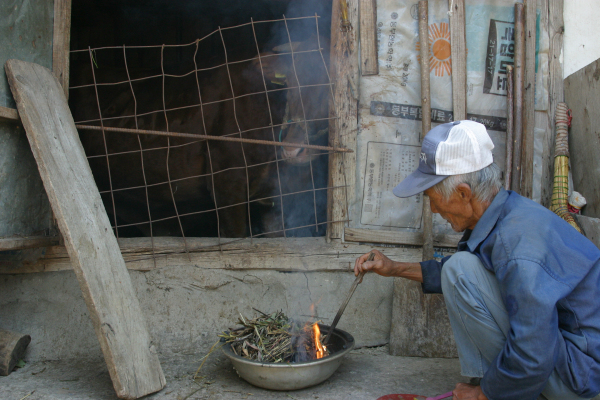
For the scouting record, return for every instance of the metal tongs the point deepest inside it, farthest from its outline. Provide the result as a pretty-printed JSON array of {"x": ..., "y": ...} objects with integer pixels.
[{"x": 345, "y": 303}]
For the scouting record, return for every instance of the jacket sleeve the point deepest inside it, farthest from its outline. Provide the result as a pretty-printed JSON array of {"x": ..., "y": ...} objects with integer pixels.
[
  {"x": 533, "y": 343},
  {"x": 431, "y": 270}
]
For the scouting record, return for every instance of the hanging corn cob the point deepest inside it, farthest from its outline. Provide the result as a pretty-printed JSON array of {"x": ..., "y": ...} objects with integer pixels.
[{"x": 560, "y": 192}]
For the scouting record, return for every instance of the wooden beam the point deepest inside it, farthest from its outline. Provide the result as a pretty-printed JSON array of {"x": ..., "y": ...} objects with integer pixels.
[
  {"x": 291, "y": 254},
  {"x": 528, "y": 99},
  {"x": 393, "y": 237},
  {"x": 107, "y": 290},
  {"x": 368, "y": 38},
  {"x": 427, "y": 215},
  {"x": 20, "y": 243},
  {"x": 344, "y": 105},
  {"x": 61, "y": 42},
  {"x": 9, "y": 114},
  {"x": 424, "y": 67},
  {"x": 420, "y": 325},
  {"x": 553, "y": 14},
  {"x": 458, "y": 46},
  {"x": 518, "y": 97},
  {"x": 509, "y": 127}
]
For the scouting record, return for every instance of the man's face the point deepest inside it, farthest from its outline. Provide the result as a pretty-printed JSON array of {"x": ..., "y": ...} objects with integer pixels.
[{"x": 457, "y": 210}]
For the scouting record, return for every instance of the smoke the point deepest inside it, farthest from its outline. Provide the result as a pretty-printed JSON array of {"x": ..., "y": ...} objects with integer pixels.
[{"x": 301, "y": 30}]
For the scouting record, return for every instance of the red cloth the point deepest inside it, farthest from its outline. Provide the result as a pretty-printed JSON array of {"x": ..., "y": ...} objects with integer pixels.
[{"x": 573, "y": 209}]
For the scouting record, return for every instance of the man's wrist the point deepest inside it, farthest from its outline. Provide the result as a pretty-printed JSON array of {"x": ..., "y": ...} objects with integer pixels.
[{"x": 409, "y": 271}]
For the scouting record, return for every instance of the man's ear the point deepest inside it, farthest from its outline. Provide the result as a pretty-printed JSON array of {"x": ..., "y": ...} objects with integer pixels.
[{"x": 464, "y": 192}]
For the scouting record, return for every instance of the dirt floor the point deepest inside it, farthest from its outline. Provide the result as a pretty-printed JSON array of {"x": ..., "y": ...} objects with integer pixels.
[{"x": 367, "y": 373}]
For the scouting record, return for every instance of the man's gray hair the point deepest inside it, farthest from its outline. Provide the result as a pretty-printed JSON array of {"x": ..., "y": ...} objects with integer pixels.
[{"x": 485, "y": 183}]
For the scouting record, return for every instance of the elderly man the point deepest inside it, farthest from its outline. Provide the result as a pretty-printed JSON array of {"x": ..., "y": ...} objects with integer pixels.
[{"x": 522, "y": 291}]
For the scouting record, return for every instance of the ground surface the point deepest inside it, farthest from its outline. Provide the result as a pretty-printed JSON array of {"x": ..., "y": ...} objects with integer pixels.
[{"x": 366, "y": 373}]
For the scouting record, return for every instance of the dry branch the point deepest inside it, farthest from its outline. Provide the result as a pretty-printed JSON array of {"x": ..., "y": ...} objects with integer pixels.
[{"x": 272, "y": 338}]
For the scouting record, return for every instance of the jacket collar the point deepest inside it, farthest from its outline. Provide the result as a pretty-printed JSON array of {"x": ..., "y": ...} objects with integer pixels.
[{"x": 487, "y": 221}]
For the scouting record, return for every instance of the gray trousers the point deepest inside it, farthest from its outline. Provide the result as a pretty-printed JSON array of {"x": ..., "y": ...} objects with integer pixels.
[{"x": 479, "y": 319}]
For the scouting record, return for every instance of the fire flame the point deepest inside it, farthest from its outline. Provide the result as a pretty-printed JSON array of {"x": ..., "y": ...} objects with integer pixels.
[{"x": 318, "y": 345}]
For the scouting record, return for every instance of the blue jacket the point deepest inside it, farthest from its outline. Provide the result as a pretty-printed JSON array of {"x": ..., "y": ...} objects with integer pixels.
[{"x": 549, "y": 276}]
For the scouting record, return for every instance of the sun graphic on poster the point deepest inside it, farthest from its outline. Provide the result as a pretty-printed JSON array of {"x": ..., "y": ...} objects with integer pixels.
[{"x": 439, "y": 49}]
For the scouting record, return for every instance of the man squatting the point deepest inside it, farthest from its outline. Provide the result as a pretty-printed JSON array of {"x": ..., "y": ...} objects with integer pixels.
[{"x": 522, "y": 291}]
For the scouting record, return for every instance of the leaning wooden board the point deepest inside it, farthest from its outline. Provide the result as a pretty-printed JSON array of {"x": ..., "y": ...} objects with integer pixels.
[{"x": 114, "y": 308}]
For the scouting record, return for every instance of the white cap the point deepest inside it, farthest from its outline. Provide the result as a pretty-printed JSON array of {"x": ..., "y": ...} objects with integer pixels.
[{"x": 454, "y": 148}]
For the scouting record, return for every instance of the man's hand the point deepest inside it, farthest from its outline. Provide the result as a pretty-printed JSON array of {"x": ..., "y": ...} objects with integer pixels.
[
  {"x": 385, "y": 267},
  {"x": 380, "y": 265},
  {"x": 464, "y": 391}
]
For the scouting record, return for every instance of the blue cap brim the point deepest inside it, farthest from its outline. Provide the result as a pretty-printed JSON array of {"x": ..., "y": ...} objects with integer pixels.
[{"x": 416, "y": 183}]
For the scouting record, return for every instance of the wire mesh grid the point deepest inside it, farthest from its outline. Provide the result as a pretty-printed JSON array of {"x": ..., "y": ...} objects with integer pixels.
[{"x": 240, "y": 182}]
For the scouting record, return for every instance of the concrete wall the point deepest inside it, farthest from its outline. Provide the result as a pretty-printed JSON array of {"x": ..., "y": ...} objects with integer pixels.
[
  {"x": 580, "y": 43},
  {"x": 186, "y": 308},
  {"x": 186, "y": 304},
  {"x": 24, "y": 205},
  {"x": 27, "y": 28}
]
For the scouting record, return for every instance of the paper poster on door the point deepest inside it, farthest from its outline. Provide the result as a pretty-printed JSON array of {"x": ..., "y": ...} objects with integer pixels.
[{"x": 386, "y": 165}]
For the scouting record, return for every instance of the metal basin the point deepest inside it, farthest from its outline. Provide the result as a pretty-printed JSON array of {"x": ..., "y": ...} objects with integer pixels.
[{"x": 293, "y": 376}]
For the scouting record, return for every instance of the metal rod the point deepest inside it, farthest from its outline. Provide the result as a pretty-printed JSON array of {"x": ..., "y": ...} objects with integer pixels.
[
  {"x": 509, "y": 126},
  {"x": 425, "y": 120},
  {"x": 209, "y": 137},
  {"x": 345, "y": 303}
]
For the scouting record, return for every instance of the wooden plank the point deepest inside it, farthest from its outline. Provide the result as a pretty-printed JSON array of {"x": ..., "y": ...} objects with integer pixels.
[
  {"x": 9, "y": 114},
  {"x": 344, "y": 106},
  {"x": 582, "y": 95},
  {"x": 291, "y": 254},
  {"x": 19, "y": 243},
  {"x": 424, "y": 68},
  {"x": 368, "y": 37},
  {"x": 458, "y": 45},
  {"x": 420, "y": 333},
  {"x": 545, "y": 129},
  {"x": 509, "y": 127},
  {"x": 114, "y": 308},
  {"x": 427, "y": 215},
  {"x": 553, "y": 14},
  {"x": 518, "y": 97},
  {"x": 393, "y": 237},
  {"x": 61, "y": 42},
  {"x": 528, "y": 99},
  {"x": 427, "y": 229}
]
